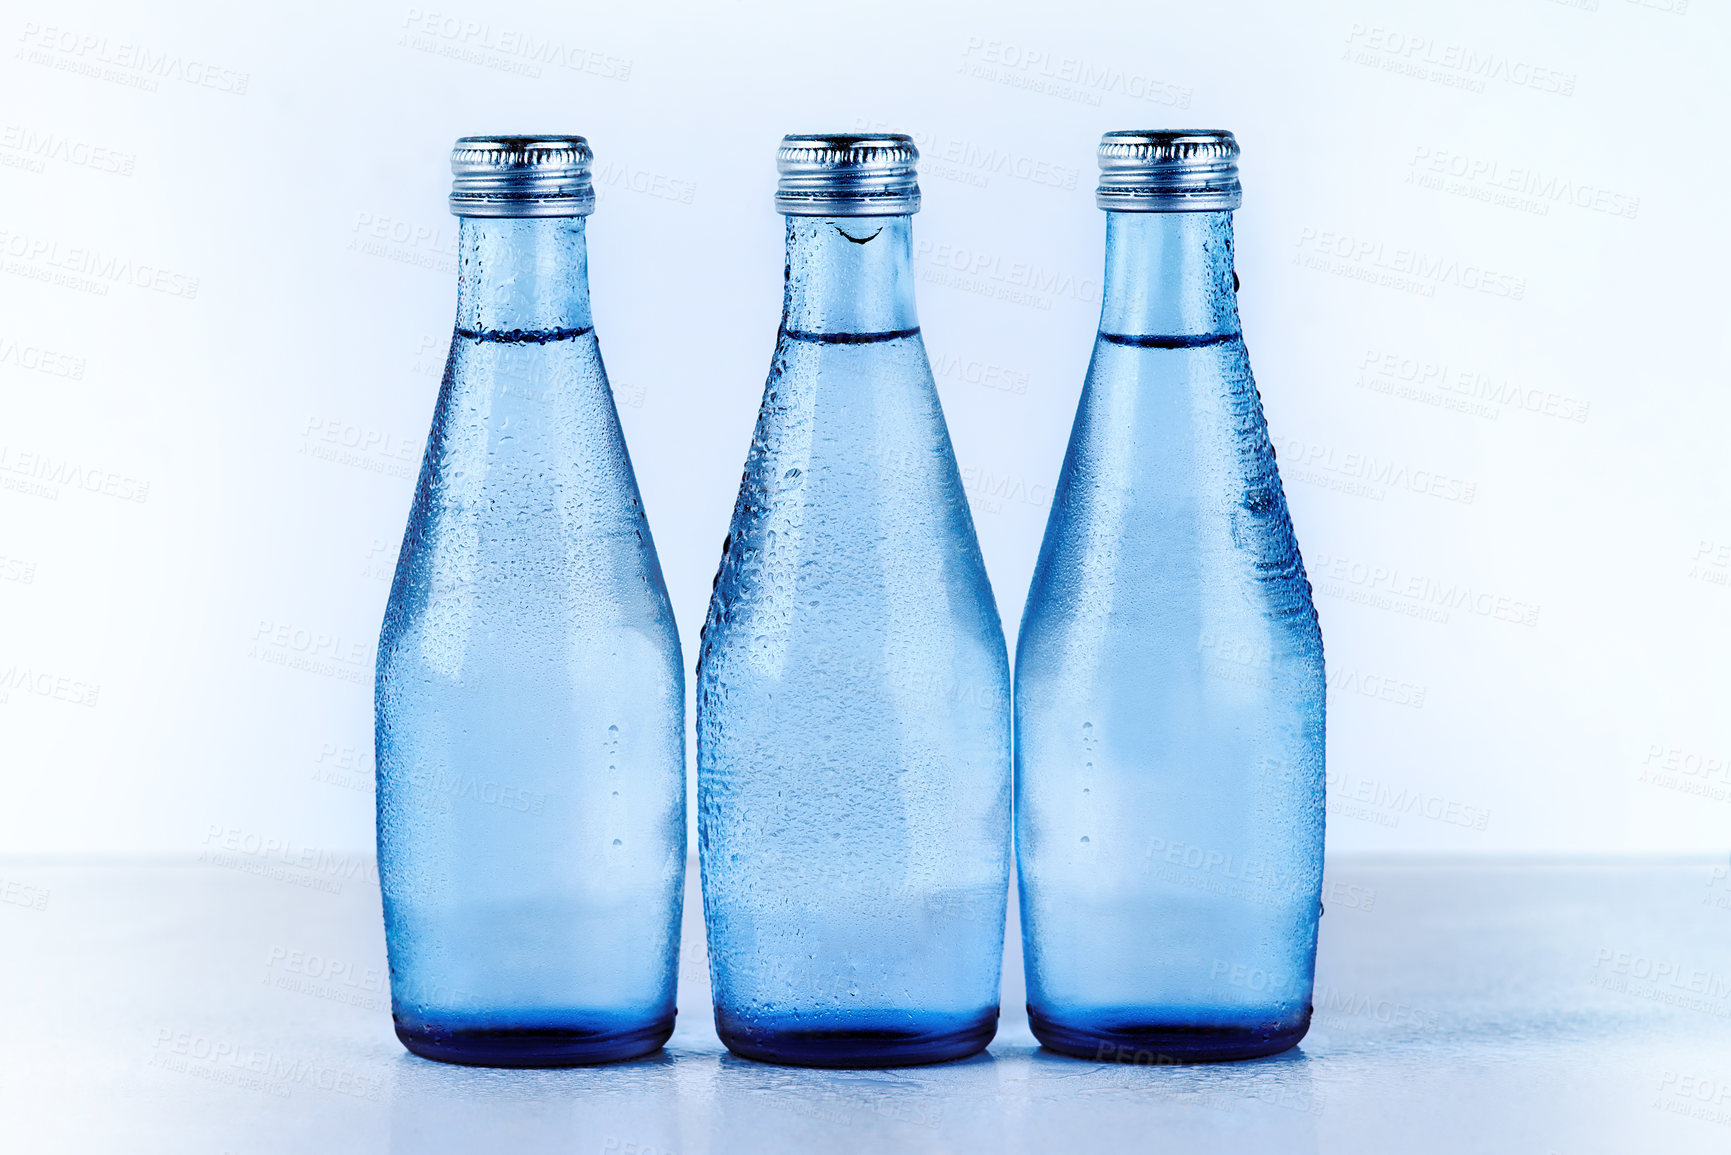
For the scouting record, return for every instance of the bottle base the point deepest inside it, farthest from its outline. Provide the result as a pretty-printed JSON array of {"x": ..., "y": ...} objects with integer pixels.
[
  {"x": 473, "y": 1046},
  {"x": 1118, "y": 1041},
  {"x": 796, "y": 1043}
]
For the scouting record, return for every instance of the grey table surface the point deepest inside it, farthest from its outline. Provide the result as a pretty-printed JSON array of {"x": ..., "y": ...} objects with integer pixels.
[{"x": 238, "y": 1004}]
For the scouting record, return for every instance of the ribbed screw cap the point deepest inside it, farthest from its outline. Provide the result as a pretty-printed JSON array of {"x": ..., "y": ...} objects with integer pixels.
[
  {"x": 1190, "y": 171},
  {"x": 858, "y": 175},
  {"x": 522, "y": 176}
]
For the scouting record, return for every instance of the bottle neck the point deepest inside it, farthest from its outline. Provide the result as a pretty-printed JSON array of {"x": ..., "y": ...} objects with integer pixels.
[
  {"x": 849, "y": 276},
  {"x": 1169, "y": 275},
  {"x": 522, "y": 274}
]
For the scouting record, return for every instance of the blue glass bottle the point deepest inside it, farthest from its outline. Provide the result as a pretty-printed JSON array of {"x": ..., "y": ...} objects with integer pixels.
[
  {"x": 853, "y": 763},
  {"x": 530, "y": 697},
  {"x": 1169, "y": 677}
]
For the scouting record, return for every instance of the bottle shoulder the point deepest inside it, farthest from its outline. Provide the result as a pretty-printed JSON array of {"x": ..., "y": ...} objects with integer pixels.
[
  {"x": 527, "y": 517},
  {"x": 851, "y": 442},
  {"x": 853, "y": 519},
  {"x": 1169, "y": 504}
]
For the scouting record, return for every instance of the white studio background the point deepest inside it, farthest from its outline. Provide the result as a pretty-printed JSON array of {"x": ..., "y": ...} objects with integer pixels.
[{"x": 1482, "y": 247}]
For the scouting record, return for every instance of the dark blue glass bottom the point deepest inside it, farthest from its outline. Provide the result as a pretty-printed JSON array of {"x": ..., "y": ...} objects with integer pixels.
[
  {"x": 526, "y": 1046},
  {"x": 1114, "y": 1037},
  {"x": 902, "y": 1041}
]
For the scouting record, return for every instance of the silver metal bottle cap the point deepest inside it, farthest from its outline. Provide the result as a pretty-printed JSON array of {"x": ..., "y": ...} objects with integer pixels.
[
  {"x": 859, "y": 175},
  {"x": 1192, "y": 171},
  {"x": 522, "y": 176}
]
